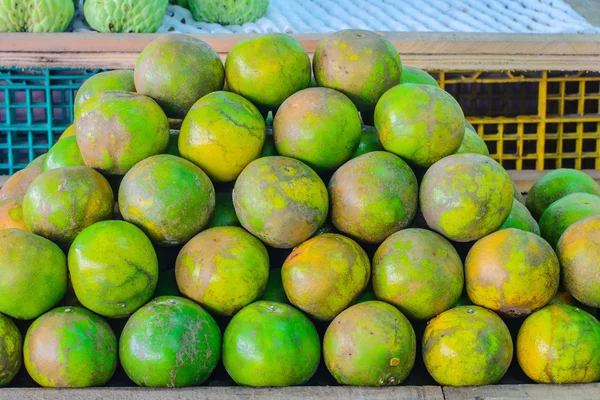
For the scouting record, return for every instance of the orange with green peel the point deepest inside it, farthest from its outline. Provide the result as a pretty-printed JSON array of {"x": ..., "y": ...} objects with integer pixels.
[
  {"x": 61, "y": 202},
  {"x": 373, "y": 196},
  {"x": 275, "y": 340},
  {"x": 274, "y": 290},
  {"x": 70, "y": 347},
  {"x": 521, "y": 218},
  {"x": 224, "y": 212},
  {"x": 167, "y": 284},
  {"x": 65, "y": 153},
  {"x": 267, "y": 69},
  {"x": 578, "y": 251},
  {"x": 420, "y": 123},
  {"x": 116, "y": 130},
  {"x": 419, "y": 272},
  {"x": 173, "y": 146},
  {"x": 370, "y": 344},
  {"x": 564, "y": 212},
  {"x": 473, "y": 143},
  {"x": 11, "y": 214},
  {"x": 223, "y": 269},
  {"x": 69, "y": 132},
  {"x": 467, "y": 346},
  {"x": 367, "y": 295},
  {"x": 113, "y": 268},
  {"x": 222, "y": 133},
  {"x": 280, "y": 200},
  {"x": 18, "y": 183},
  {"x": 11, "y": 350},
  {"x": 325, "y": 274},
  {"x": 416, "y": 75},
  {"x": 318, "y": 126},
  {"x": 466, "y": 196},
  {"x": 168, "y": 197},
  {"x": 361, "y": 64},
  {"x": 177, "y": 70},
  {"x": 560, "y": 344},
  {"x": 121, "y": 80},
  {"x": 557, "y": 184},
  {"x": 518, "y": 195},
  {"x": 369, "y": 142},
  {"x": 33, "y": 274},
  {"x": 512, "y": 272},
  {"x": 564, "y": 297},
  {"x": 170, "y": 342},
  {"x": 269, "y": 146}
]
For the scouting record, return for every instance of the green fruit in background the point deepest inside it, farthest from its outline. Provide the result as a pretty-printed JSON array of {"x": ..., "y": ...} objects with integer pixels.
[
  {"x": 579, "y": 252},
  {"x": 370, "y": 344},
  {"x": 116, "y": 130},
  {"x": 228, "y": 12},
  {"x": 473, "y": 143},
  {"x": 274, "y": 290},
  {"x": 11, "y": 350},
  {"x": 419, "y": 272},
  {"x": 173, "y": 146},
  {"x": 373, "y": 196},
  {"x": 560, "y": 344},
  {"x": 467, "y": 346},
  {"x": 65, "y": 153},
  {"x": 269, "y": 146},
  {"x": 557, "y": 184},
  {"x": 564, "y": 212},
  {"x": 127, "y": 16},
  {"x": 325, "y": 274},
  {"x": 170, "y": 198},
  {"x": 517, "y": 194},
  {"x": 520, "y": 218},
  {"x": 361, "y": 64},
  {"x": 280, "y": 200},
  {"x": 70, "y": 347},
  {"x": 61, "y": 202},
  {"x": 222, "y": 133},
  {"x": 167, "y": 284},
  {"x": 275, "y": 339},
  {"x": 318, "y": 126},
  {"x": 36, "y": 15},
  {"x": 182, "y": 3},
  {"x": 33, "y": 274},
  {"x": 170, "y": 342},
  {"x": 420, "y": 123},
  {"x": 113, "y": 268},
  {"x": 120, "y": 80},
  {"x": 267, "y": 69},
  {"x": 176, "y": 71},
  {"x": 466, "y": 196},
  {"x": 369, "y": 142},
  {"x": 223, "y": 269},
  {"x": 224, "y": 212},
  {"x": 416, "y": 75}
]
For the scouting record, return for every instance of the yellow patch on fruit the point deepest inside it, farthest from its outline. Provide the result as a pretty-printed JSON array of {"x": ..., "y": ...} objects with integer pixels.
[{"x": 11, "y": 214}]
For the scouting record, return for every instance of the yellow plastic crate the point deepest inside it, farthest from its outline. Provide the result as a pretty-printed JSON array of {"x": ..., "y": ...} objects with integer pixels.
[{"x": 533, "y": 119}]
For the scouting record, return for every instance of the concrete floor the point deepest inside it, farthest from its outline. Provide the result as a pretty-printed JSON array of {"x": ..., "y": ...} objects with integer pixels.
[{"x": 588, "y": 9}]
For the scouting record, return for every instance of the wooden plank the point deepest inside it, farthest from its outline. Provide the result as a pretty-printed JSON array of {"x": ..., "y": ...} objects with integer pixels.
[
  {"x": 429, "y": 50},
  {"x": 230, "y": 393},
  {"x": 590, "y": 391}
]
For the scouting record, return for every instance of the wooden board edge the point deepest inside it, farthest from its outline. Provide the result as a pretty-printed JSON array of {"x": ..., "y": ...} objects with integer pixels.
[{"x": 587, "y": 391}]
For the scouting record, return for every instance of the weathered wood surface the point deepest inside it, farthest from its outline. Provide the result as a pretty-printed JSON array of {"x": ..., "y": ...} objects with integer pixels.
[
  {"x": 229, "y": 393},
  {"x": 589, "y": 391},
  {"x": 429, "y": 50}
]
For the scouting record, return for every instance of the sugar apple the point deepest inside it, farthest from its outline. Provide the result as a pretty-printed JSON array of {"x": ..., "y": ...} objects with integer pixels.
[
  {"x": 228, "y": 12},
  {"x": 130, "y": 16},
  {"x": 35, "y": 15}
]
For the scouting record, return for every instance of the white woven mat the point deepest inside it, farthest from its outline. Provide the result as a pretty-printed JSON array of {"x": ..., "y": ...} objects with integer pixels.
[{"x": 299, "y": 16}]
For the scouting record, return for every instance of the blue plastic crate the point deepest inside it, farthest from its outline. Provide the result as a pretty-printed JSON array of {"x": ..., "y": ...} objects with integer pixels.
[{"x": 36, "y": 106}]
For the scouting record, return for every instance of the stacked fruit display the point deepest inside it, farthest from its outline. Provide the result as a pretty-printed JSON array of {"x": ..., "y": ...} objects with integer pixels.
[{"x": 267, "y": 242}]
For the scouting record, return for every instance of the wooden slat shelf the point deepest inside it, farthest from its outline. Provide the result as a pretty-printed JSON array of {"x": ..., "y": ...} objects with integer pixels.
[{"x": 429, "y": 50}]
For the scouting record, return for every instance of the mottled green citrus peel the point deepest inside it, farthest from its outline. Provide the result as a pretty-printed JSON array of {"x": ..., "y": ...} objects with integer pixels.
[
  {"x": 224, "y": 212},
  {"x": 70, "y": 347},
  {"x": 521, "y": 218},
  {"x": 419, "y": 272},
  {"x": 473, "y": 143},
  {"x": 369, "y": 141},
  {"x": 416, "y": 75},
  {"x": 65, "y": 153},
  {"x": 11, "y": 350},
  {"x": 170, "y": 342},
  {"x": 113, "y": 268},
  {"x": 275, "y": 339},
  {"x": 370, "y": 344},
  {"x": 104, "y": 81}
]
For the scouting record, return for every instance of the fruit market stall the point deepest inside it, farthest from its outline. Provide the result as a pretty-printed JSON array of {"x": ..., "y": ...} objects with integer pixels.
[{"x": 299, "y": 216}]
